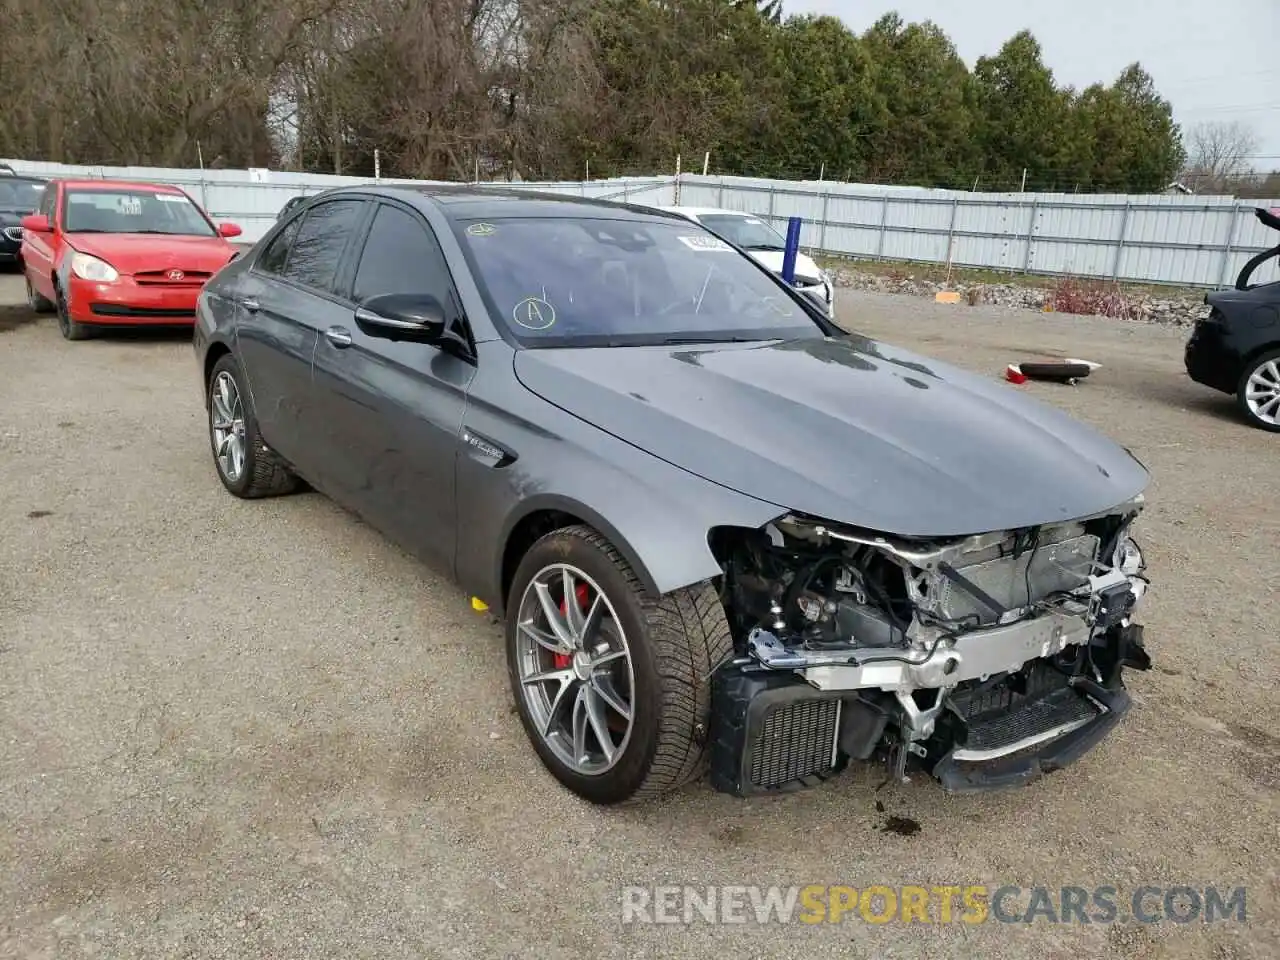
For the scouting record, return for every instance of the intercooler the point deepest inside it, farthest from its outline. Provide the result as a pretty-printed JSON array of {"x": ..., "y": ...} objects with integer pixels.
[{"x": 771, "y": 732}]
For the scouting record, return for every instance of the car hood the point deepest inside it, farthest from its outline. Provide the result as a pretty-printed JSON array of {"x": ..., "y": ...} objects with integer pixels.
[
  {"x": 847, "y": 430},
  {"x": 139, "y": 252},
  {"x": 772, "y": 260}
]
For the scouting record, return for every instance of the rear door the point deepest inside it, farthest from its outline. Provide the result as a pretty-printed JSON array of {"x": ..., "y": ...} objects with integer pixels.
[
  {"x": 286, "y": 298},
  {"x": 391, "y": 411}
]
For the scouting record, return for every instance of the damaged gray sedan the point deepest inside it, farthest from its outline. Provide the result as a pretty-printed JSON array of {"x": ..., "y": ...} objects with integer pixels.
[{"x": 722, "y": 533}]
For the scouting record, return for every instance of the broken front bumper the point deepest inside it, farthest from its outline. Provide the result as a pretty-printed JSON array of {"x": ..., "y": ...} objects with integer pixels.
[{"x": 774, "y": 731}]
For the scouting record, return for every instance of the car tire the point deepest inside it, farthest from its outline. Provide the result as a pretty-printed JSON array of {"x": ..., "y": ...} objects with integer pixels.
[
  {"x": 670, "y": 644},
  {"x": 1258, "y": 392},
  {"x": 245, "y": 465},
  {"x": 35, "y": 301},
  {"x": 70, "y": 329}
]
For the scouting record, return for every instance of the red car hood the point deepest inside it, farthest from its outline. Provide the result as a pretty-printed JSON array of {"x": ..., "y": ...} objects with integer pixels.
[{"x": 143, "y": 252}]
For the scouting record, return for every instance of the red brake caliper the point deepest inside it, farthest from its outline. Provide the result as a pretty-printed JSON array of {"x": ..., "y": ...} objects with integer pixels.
[{"x": 563, "y": 660}]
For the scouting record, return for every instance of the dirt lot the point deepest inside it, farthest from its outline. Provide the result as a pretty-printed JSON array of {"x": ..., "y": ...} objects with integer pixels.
[{"x": 257, "y": 730}]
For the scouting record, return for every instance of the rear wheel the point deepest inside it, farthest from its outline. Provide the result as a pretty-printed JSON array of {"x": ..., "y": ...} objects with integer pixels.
[
  {"x": 1259, "y": 391},
  {"x": 613, "y": 686},
  {"x": 70, "y": 329},
  {"x": 35, "y": 301},
  {"x": 245, "y": 465}
]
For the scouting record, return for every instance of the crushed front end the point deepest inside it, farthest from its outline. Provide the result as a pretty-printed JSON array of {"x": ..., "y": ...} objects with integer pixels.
[{"x": 986, "y": 660}]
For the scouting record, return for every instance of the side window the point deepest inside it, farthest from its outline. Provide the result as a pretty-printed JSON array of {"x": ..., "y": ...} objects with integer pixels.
[
  {"x": 47, "y": 201},
  {"x": 317, "y": 246},
  {"x": 273, "y": 258},
  {"x": 401, "y": 255}
]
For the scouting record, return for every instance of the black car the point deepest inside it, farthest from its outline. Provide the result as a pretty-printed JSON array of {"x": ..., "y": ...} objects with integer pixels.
[
  {"x": 19, "y": 196},
  {"x": 1236, "y": 349},
  {"x": 722, "y": 532}
]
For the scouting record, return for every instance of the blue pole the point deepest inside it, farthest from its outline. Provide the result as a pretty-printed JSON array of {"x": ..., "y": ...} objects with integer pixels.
[{"x": 792, "y": 248}]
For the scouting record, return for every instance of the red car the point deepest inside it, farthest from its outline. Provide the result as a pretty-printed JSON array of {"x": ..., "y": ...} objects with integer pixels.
[{"x": 110, "y": 253}]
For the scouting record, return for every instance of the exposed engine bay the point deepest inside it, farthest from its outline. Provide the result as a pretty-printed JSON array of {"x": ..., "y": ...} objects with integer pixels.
[{"x": 987, "y": 659}]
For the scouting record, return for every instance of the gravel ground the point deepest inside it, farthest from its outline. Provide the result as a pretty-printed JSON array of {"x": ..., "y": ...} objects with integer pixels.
[{"x": 257, "y": 730}]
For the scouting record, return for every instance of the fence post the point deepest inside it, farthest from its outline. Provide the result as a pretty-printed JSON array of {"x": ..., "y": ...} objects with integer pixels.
[
  {"x": 884, "y": 219},
  {"x": 1124, "y": 233},
  {"x": 822, "y": 231},
  {"x": 1031, "y": 226},
  {"x": 951, "y": 228},
  {"x": 1231, "y": 239}
]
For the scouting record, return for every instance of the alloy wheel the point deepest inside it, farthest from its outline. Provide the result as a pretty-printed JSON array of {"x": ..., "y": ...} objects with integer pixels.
[
  {"x": 226, "y": 424},
  {"x": 574, "y": 666},
  {"x": 1262, "y": 392}
]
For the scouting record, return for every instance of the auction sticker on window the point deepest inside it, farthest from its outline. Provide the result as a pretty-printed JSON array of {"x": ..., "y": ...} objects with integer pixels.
[
  {"x": 533, "y": 313},
  {"x": 705, "y": 243}
]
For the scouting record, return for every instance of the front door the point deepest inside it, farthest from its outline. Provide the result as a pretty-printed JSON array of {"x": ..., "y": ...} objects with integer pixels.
[{"x": 392, "y": 411}]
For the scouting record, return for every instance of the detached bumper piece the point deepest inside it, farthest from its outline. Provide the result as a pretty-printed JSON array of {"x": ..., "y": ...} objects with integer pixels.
[{"x": 1038, "y": 735}]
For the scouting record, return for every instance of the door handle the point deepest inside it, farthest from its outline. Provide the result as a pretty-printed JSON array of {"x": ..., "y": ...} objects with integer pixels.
[
  {"x": 340, "y": 337},
  {"x": 253, "y": 306}
]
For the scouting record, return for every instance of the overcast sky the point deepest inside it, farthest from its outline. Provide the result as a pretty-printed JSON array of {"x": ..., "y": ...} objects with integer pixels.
[{"x": 1215, "y": 60}]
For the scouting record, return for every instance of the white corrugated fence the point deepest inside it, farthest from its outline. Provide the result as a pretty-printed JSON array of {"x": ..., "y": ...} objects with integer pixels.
[{"x": 1185, "y": 240}]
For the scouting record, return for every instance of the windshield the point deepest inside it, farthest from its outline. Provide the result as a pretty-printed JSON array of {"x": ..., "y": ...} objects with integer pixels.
[
  {"x": 750, "y": 233},
  {"x": 130, "y": 210},
  {"x": 562, "y": 281},
  {"x": 22, "y": 196}
]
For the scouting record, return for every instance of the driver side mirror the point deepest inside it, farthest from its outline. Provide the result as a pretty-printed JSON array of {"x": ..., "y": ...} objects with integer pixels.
[
  {"x": 416, "y": 317},
  {"x": 36, "y": 223},
  {"x": 229, "y": 230}
]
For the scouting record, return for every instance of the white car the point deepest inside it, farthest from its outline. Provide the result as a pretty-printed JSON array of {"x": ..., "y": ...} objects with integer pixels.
[{"x": 754, "y": 235}]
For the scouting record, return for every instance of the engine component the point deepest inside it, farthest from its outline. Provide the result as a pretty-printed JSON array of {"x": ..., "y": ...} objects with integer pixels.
[
  {"x": 852, "y": 644},
  {"x": 771, "y": 732}
]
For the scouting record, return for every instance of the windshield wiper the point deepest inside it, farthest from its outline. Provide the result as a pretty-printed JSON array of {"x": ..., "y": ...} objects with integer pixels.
[
  {"x": 670, "y": 341},
  {"x": 763, "y": 246}
]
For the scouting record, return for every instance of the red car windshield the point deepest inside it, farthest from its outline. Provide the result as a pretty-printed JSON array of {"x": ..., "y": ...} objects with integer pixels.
[{"x": 133, "y": 210}]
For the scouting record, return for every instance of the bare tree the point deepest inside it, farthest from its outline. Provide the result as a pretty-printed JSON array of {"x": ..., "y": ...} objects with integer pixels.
[{"x": 1219, "y": 154}]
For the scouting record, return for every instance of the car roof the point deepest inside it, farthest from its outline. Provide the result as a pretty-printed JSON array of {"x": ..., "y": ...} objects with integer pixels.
[
  {"x": 704, "y": 211},
  {"x": 120, "y": 185},
  {"x": 466, "y": 202}
]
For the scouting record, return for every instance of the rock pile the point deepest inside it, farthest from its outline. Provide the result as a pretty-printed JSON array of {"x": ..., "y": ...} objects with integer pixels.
[{"x": 1179, "y": 308}]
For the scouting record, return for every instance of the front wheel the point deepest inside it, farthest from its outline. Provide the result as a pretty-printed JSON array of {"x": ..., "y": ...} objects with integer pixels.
[
  {"x": 613, "y": 686},
  {"x": 70, "y": 329},
  {"x": 1259, "y": 391}
]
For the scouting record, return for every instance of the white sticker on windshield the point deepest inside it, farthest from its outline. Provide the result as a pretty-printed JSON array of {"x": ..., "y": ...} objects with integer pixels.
[
  {"x": 131, "y": 206},
  {"x": 172, "y": 198},
  {"x": 705, "y": 243}
]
